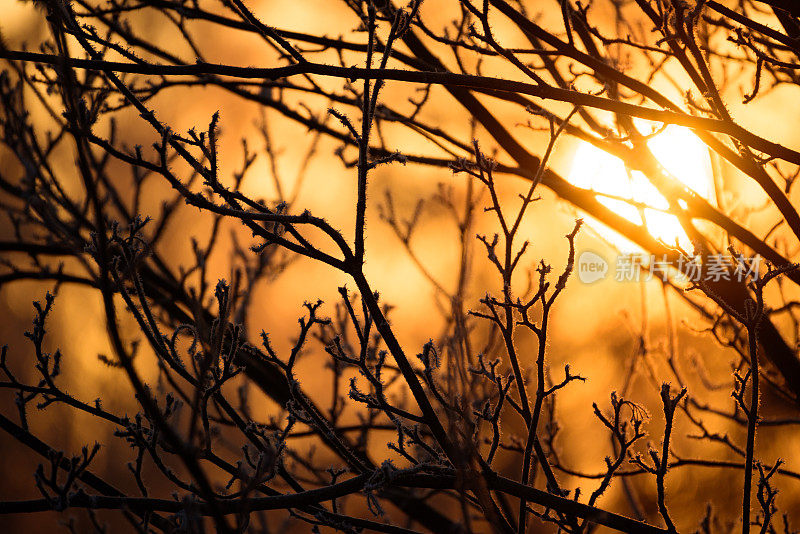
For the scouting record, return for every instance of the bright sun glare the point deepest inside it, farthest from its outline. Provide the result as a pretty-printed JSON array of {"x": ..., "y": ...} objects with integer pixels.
[{"x": 680, "y": 152}]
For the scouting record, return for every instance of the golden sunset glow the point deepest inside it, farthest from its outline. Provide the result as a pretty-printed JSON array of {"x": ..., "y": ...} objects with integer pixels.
[
  {"x": 406, "y": 266},
  {"x": 681, "y": 153}
]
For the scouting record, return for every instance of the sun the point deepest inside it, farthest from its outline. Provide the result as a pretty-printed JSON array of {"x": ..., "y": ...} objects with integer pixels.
[{"x": 631, "y": 195}]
